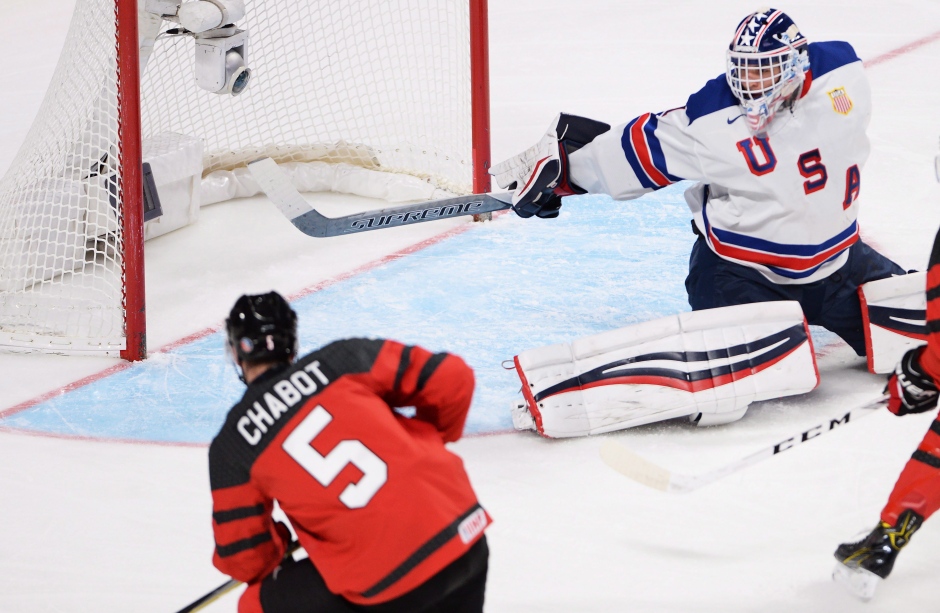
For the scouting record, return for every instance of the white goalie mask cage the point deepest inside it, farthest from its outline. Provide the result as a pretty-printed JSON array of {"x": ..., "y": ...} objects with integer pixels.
[{"x": 766, "y": 65}]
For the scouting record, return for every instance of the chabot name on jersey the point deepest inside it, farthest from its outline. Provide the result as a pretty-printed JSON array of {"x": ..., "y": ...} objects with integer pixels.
[{"x": 291, "y": 390}]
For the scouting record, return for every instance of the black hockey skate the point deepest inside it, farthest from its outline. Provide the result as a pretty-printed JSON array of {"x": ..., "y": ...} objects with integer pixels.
[{"x": 863, "y": 564}]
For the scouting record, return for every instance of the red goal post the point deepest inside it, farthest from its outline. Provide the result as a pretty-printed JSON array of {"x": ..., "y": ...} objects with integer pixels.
[{"x": 395, "y": 86}]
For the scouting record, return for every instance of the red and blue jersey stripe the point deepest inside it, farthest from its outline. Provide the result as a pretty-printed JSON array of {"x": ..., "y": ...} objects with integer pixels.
[
  {"x": 644, "y": 152},
  {"x": 787, "y": 260}
]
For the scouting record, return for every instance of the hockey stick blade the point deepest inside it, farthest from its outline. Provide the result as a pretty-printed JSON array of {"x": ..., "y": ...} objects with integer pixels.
[
  {"x": 277, "y": 186},
  {"x": 652, "y": 475}
]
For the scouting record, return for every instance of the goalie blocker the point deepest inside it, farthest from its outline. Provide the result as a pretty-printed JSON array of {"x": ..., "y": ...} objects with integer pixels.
[{"x": 709, "y": 365}]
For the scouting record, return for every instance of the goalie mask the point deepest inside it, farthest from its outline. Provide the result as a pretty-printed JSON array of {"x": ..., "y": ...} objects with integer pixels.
[
  {"x": 766, "y": 65},
  {"x": 262, "y": 328}
]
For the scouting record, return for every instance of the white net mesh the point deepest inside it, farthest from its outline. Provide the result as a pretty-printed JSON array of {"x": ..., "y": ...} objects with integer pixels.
[
  {"x": 374, "y": 82},
  {"x": 60, "y": 248},
  {"x": 383, "y": 84}
]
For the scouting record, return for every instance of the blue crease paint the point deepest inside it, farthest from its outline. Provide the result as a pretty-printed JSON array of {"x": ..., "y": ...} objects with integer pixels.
[{"x": 487, "y": 294}]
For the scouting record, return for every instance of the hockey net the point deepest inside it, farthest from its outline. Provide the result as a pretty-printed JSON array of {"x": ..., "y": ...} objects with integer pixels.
[{"x": 381, "y": 84}]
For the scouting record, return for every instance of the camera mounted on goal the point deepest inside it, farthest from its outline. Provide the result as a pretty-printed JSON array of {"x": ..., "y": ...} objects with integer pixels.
[{"x": 220, "y": 45}]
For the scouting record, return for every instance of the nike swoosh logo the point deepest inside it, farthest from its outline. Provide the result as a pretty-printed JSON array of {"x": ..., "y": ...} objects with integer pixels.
[{"x": 731, "y": 121}]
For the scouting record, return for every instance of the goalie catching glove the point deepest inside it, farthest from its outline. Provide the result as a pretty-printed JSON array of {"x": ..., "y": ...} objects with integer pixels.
[
  {"x": 539, "y": 175},
  {"x": 911, "y": 389}
]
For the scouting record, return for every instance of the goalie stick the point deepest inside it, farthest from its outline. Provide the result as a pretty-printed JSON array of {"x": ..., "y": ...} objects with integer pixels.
[
  {"x": 652, "y": 475},
  {"x": 225, "y": 588},
  {"x": 308, "y": 220}
]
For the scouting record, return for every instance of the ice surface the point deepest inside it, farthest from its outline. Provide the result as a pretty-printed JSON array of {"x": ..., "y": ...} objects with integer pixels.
[{"x": 486, "y": 295}]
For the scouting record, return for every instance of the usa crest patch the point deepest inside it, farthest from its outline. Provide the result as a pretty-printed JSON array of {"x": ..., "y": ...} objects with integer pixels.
[{"x": 840, "y": 100}]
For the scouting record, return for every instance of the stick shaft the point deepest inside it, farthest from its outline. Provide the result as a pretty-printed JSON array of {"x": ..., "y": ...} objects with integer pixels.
[
  {"x": 651, "y": 475},
  {"x": 225, "y": 588},
  {"x": 211, "y": 597},
  {"x": 315, "y": 224}
]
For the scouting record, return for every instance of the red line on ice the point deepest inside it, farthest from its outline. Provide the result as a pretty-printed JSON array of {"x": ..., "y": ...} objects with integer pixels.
[
  {"x": 890, "y": 55},
  {"x": 134, "y": 441}
]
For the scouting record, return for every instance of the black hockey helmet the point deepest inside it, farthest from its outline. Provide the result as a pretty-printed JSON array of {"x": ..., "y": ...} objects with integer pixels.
[{"x": 262, "y": 328}]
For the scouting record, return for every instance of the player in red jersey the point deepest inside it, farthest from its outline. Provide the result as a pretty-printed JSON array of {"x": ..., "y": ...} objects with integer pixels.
[
  {"x": 385, "y": 512},
  {"x": 916, "y": 496}
]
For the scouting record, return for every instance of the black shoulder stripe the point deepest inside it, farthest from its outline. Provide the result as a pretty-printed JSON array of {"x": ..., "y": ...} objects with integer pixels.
[
  {"x": 347, "y": 356},
  {"x": 927, "y": 458},
  {"x": 402, "y": 367},
  {"x": 222, "y": 517},
  {"x": 933, "y": 325},
  {"x": 225, "y": 469},
  {"x": 429, "y": 367},
  {"x": 237, "y": 547},
  {"x": 933, "y": 293}
]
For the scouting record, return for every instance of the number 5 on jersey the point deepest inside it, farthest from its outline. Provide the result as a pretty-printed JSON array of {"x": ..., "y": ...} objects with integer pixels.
[{"x": 325, "y": 468}]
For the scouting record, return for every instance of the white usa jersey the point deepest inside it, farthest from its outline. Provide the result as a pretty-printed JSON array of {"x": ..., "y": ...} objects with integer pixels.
[{"x": 785, "y": 203}]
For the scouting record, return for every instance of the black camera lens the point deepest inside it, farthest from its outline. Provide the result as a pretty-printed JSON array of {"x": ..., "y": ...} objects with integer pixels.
[{"x": 241, "y": 82}]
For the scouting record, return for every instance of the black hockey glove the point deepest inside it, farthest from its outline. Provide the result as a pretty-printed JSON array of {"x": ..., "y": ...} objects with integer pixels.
[{"x": 911, "y": 389}]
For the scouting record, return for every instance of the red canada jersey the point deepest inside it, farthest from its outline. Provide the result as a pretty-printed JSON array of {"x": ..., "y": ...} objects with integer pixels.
[
  {"x": 377, "y": 501},
  {"x": 930, "y": 359}
]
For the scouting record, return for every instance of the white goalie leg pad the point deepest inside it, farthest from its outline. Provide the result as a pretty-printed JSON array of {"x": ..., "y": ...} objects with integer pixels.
[
  {"x": 713, "y": 362},
  {"x": 894, "y": 311}
]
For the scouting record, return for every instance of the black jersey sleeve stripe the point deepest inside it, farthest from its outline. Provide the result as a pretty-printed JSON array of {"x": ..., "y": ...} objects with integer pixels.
[
  {"x": 436, "y": 542},
  {"x": 222, "y": 517},
  {"x": 428, "y": 369},
  {"x": 935, "y": 426},
  {"x": 402, "y": 367},
  {"x": 927, "y": 458},
  {"x": 237, "y": 547},
  {"x": 933, "y": 325},
  {"x": 932, "y": 293}
]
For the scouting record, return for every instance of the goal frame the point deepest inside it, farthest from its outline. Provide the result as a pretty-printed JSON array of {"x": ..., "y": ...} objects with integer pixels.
[
  {"x": 129, "y": 133},
  {"x": 131, "y": 180}
]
